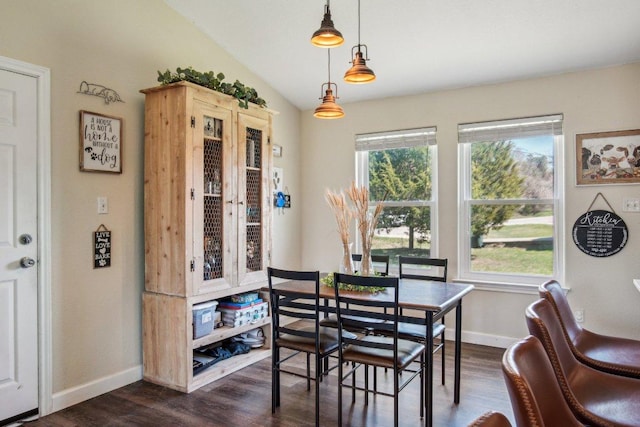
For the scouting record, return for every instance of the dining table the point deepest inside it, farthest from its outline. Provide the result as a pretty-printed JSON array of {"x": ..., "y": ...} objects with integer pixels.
[{"x": 428, "y": 301}]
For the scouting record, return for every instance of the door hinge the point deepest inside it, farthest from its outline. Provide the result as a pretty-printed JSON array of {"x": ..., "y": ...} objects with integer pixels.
[
  {"x": 193, "y": 194},
  {"x": 193, "y": 265},
  {"x": 193, "y": 121},
  {"x": 268, "y": 140}
]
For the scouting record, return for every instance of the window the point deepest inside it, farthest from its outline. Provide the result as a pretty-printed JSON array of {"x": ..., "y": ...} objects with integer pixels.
[
  {"x": 399, "y": 168},
  {"x": 509, "y": 225}
]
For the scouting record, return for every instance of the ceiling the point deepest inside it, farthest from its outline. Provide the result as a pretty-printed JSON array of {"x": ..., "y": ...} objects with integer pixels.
[{"x": 418, "y": 46}]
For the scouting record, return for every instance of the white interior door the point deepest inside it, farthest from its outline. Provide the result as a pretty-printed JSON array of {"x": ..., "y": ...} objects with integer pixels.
[{"x": 18, "y": 245}]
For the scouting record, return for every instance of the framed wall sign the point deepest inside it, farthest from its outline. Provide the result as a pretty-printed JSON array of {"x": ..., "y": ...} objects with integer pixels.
[
  {"x": 608, "y": 157},
  {"x": 100, "y": 143}
]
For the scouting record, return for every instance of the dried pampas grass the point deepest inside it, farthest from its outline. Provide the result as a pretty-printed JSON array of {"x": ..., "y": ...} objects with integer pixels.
[
  {"x": 343, "y": 214},
  {"x": 367, "y": 222}
]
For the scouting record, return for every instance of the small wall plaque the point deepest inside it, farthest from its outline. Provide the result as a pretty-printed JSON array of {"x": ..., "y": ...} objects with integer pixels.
[
  {"x": 600, "y": 233},
  {"x": 102, "y": 247}
]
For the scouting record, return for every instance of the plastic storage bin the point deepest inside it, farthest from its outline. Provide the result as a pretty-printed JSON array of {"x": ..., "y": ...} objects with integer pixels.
[{"x": 203, "y": 318}]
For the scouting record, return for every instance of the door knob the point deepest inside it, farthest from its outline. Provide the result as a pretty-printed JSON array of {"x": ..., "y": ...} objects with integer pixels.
[{"x": 26, "y": 262}]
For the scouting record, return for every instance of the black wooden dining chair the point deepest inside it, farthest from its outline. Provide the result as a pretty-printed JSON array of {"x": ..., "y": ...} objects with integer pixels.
[
  {"x": 380, "y": 263},
  {"x": 374, "y": 310},
  {"x": 381, "y": 266},
  {"x": 295, "y": 326},
  {"x": 422, "y": 268}
]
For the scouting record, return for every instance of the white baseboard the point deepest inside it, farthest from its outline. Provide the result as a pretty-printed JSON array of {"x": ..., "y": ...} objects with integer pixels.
[
  {"x": 488, "y": 340},
  {"x": 75, "y": 395}
]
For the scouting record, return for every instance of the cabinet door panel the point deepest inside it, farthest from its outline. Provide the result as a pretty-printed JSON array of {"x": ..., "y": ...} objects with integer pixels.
[
  {"x": 253, "y": 189},
  {"x": 214, "y": 222},
  {"x": 167, "y": 178}
]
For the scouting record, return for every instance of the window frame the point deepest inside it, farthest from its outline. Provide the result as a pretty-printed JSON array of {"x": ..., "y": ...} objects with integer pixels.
[
  {"x": 362, "y": 174},
  {"x": 498, "y": 280}
]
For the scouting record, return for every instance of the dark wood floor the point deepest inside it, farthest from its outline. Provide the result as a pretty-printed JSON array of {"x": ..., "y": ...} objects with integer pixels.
[{"x": 244, "y": 399}]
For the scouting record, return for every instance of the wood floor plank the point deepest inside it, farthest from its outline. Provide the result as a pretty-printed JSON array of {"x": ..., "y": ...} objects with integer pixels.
[{"x": 244, "y": 399}]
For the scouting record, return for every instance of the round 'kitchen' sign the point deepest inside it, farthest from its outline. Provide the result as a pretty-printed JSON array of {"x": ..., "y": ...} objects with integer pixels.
[{"x": 600, "y": 233}]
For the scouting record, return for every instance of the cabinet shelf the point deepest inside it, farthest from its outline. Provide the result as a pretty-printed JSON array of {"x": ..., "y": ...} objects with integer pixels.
[
  {"x": 225, "y": 332},
  {"x": 228, "y": 366}
]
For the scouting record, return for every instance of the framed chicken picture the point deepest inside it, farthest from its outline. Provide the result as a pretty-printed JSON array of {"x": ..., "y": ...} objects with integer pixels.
[{"x": 608, "y": 157}]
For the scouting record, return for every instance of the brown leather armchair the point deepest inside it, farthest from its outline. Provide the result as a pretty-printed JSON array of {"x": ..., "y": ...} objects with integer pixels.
[
  {"x": 595, "y": 397},
  {"x": 618, "y": 356},
  {"x": 491, "y": 419},
  {"x": 534, "y": 391}
]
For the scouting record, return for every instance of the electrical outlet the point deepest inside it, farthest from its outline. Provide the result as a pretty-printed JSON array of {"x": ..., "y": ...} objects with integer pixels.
[
  {"x": 631, "y": 205},
  {"x": 103, "y": 205},
  {"x": 579, "y": 315}
]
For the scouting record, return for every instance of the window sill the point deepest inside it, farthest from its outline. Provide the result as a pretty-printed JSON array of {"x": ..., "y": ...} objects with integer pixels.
[{"x": 514, "y": 288}]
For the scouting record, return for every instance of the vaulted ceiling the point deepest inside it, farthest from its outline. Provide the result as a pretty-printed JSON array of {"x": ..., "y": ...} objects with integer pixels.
[{"x": 418, "y": 46}]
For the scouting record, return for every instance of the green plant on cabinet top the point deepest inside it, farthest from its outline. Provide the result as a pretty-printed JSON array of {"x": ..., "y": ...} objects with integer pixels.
[{"x": 244, "y": 94}]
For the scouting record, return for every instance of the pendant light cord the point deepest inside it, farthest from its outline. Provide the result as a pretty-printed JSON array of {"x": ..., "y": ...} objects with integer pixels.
[
  {"x": 358, "y": 24},
  {"x": 329, "y": 65}
]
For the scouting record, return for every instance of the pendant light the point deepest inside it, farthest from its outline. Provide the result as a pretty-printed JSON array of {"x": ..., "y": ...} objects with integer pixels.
[
  {"x": 359, "y": 72},
  {"x": 327, "y": 35},
  {"x": 328, "y": 109}
]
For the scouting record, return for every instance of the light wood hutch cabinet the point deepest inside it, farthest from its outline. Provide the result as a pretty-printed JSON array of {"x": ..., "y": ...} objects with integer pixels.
[{"x": 207, "y": 223}]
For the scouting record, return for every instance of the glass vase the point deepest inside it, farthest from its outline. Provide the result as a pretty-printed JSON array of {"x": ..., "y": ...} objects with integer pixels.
[
  {"x": 346, "y": 265},
  {"x": 366, "y": 265}
]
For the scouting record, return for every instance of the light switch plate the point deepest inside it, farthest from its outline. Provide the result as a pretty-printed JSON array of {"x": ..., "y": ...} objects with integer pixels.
[{"x": 103, "y": 205}]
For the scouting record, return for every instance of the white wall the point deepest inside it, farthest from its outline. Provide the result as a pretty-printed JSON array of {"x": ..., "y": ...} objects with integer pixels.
[
  {"x": 598, "y": 100},
  {"x": 119, "y": 44}
]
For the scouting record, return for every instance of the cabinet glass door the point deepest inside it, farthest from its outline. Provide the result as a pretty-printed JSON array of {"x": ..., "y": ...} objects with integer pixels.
[
  {"x": 253, "y": 197},
  {"x": 213, "y": 228},
  {"x": 213, "y": 221},
  {"x": 253, "y": 188}
]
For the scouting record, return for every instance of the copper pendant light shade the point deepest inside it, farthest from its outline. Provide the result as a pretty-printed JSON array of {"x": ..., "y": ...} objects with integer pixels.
[
  {"x": 328, "y": 109},
  {"x": 327, "y": 35},
  {"x": 359, "y": 72}
]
